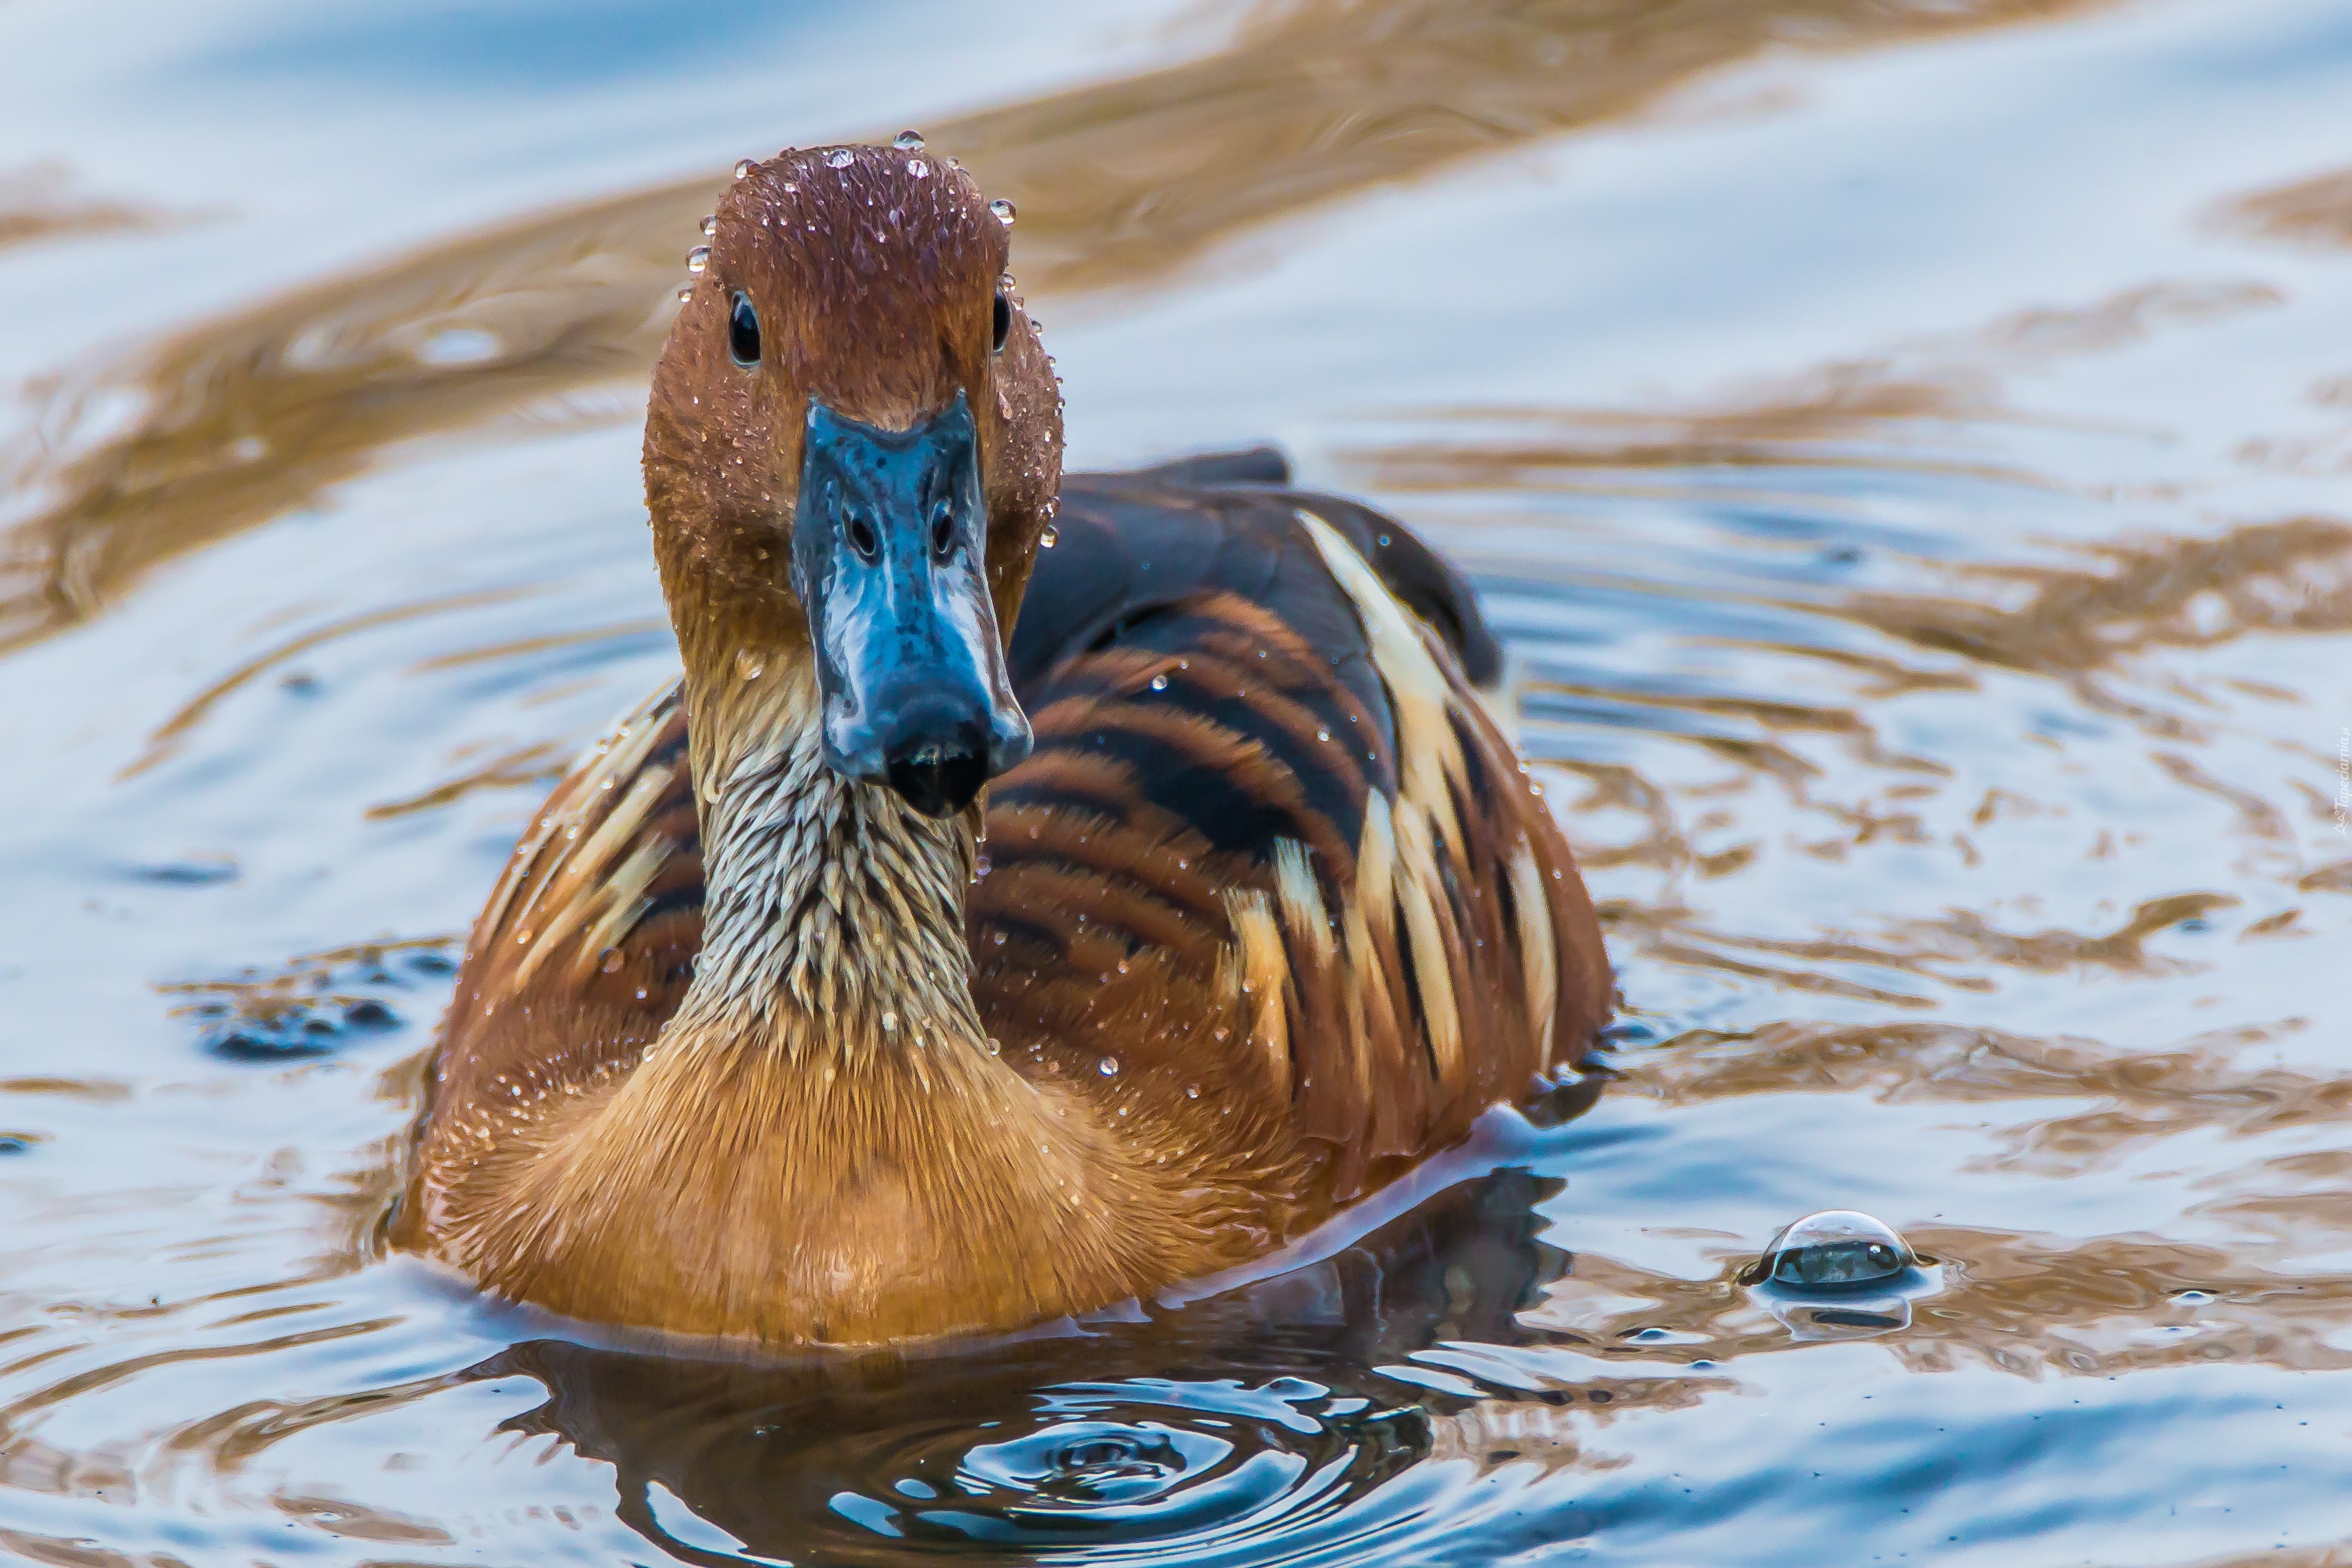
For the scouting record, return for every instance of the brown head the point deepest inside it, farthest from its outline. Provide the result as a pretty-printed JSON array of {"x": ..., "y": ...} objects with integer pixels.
[{"x": 852, "y": 446}]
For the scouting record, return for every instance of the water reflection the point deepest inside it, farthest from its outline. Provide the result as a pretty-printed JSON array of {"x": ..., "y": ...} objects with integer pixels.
[
  {"x": 1119, "y": 184},
  {"x": 1253, "y": 1423}
]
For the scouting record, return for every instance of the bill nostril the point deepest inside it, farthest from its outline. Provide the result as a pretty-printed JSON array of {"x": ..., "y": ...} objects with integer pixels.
[{"x": 861, "y": 538}]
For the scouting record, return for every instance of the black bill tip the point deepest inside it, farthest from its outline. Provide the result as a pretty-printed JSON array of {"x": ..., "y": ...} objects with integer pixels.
[{"x": 938, "y": 780}]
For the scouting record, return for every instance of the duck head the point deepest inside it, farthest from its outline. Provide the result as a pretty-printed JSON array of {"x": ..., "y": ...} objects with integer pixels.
[{"x": 852, "y": 448}]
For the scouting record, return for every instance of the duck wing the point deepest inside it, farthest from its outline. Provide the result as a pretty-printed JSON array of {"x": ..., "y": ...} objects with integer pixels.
[
  {"x": 1269, "y": 842},
  {"x": 590, "y": 937}
]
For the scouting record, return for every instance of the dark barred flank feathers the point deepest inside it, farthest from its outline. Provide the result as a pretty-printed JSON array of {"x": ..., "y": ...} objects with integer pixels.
[
  {"x": 1262, "y": 791},
  {"x": 759, "y": 1041}
]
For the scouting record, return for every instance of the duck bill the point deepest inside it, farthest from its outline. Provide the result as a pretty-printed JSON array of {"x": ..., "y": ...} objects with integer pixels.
[{"x": 889, "y": 546}]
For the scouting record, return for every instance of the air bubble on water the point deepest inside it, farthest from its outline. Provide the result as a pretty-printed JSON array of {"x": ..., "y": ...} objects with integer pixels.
[
  {"x": 908, "y": 141},
  {"x": 709, "y": 225},
  {"x": 840, "y": 158},
  {"x": 1835, "y": 1247},
  {"x": 1003, "y": 211},
  {"x": 1108, "y": 1066},
  {"x": 1050, "y": 538},
  {"x": 698, "y": 258},
  {"x": 2191, "y": 1297},
  {"x": 743, "y": 166}
]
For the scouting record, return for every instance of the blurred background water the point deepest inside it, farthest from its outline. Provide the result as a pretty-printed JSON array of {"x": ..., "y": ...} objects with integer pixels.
[{"x": 1908, "y": 443}]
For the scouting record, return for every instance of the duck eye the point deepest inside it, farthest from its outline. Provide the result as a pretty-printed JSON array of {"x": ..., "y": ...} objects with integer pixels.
[
  {"x": 942, "y": 531},
  {"x": 862, "y": 539},
  {"x": 743, "y": 331},
  {"x": 1003, "y": 320}
]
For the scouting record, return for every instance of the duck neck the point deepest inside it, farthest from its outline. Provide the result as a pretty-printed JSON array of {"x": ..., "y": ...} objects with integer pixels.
[{"x": 832, "y": 911}]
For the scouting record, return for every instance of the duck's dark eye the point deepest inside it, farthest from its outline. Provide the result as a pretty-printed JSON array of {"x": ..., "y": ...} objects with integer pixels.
[
  {"x": 942, "y": 531},
  {"x": 862, "y": 539},
  {"x": 743, "y": 331},
  {"x": 1004, "y": 319}
]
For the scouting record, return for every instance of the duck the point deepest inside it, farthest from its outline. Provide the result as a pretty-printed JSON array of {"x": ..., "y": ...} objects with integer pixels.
[{"x": 1034, "y": 893}]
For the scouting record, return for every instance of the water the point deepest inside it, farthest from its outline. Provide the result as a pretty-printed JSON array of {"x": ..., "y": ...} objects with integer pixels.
[{"x": 1907, "y": 446}]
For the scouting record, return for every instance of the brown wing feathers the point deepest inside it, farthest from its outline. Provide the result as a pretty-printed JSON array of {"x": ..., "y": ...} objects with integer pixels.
[
  {"x": 598, "y": 913},
  {"x": 1260, "y": 775}
]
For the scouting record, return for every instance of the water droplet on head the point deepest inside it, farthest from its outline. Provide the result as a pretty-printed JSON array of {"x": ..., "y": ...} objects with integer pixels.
[
  {"x": 908, "y": 141},
  {"x": 685, "y": 293},
  {"x": 709, "y": 226},
  {"x": 743, "y": 166},
  {"x": 1050, "y": 538},
  {"x": 840, "y": 158},
  {"x": 698, "y": 258},
  {"x": 919, "y": 169},
  {"x": 1110, "y": 1066},
  {"x": 1004, "y": 211},
  {"x": 748, "y": 664}
]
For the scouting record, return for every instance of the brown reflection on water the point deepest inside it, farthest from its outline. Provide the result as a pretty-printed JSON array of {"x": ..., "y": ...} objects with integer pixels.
[
  {"x": 2293, "y": 576},
  {"x": 2011, "y": 1302},
  {"x": 1917, "y": 408},
  {"x": 1317, "y": 100},
  {"x": 38, "y": 202},
  {"x": 2137, "y": 1095},
  {"x": 2315, "y": 212},
  {"x": 256, "y": 412}
]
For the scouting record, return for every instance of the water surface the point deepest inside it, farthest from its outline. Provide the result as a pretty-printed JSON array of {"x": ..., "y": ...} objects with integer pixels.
[{"x": 1909, "y": 448}]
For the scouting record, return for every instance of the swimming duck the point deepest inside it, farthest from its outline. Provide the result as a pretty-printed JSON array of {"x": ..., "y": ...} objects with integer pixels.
[{"x": 888, "y": 976}]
